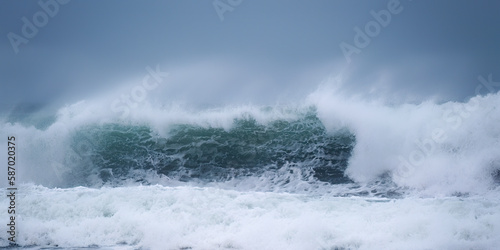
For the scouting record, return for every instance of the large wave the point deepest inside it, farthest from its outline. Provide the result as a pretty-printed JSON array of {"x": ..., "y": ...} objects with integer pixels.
[{"x": 325, "y": 141}]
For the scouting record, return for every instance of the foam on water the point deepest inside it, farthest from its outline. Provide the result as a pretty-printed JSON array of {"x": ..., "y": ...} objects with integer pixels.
[
  {"x": 439, "y": 149},
  {"x": 158, "y": 217}
]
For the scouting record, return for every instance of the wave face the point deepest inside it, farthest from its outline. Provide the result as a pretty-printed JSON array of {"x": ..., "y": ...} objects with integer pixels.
[{"x": 115, "y": 151}]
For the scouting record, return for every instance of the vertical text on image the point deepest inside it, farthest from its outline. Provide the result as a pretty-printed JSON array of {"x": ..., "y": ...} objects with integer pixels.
[{"x": 11, "y": 189}]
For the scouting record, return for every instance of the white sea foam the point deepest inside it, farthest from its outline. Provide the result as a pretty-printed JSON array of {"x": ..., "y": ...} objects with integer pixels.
[
  {"x": 439, "y": 149},
  {"x": 157, "y": 217}
]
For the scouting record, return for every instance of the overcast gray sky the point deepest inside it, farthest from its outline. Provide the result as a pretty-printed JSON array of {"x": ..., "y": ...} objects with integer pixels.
[{"x": 262, "y": 51}]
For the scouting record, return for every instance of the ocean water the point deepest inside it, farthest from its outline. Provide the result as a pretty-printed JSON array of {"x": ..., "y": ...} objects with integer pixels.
[{"x": 327, "y": 172}]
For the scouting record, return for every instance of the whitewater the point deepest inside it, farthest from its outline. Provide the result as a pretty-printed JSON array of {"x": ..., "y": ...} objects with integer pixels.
[{"x": 327, "y": 172}]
